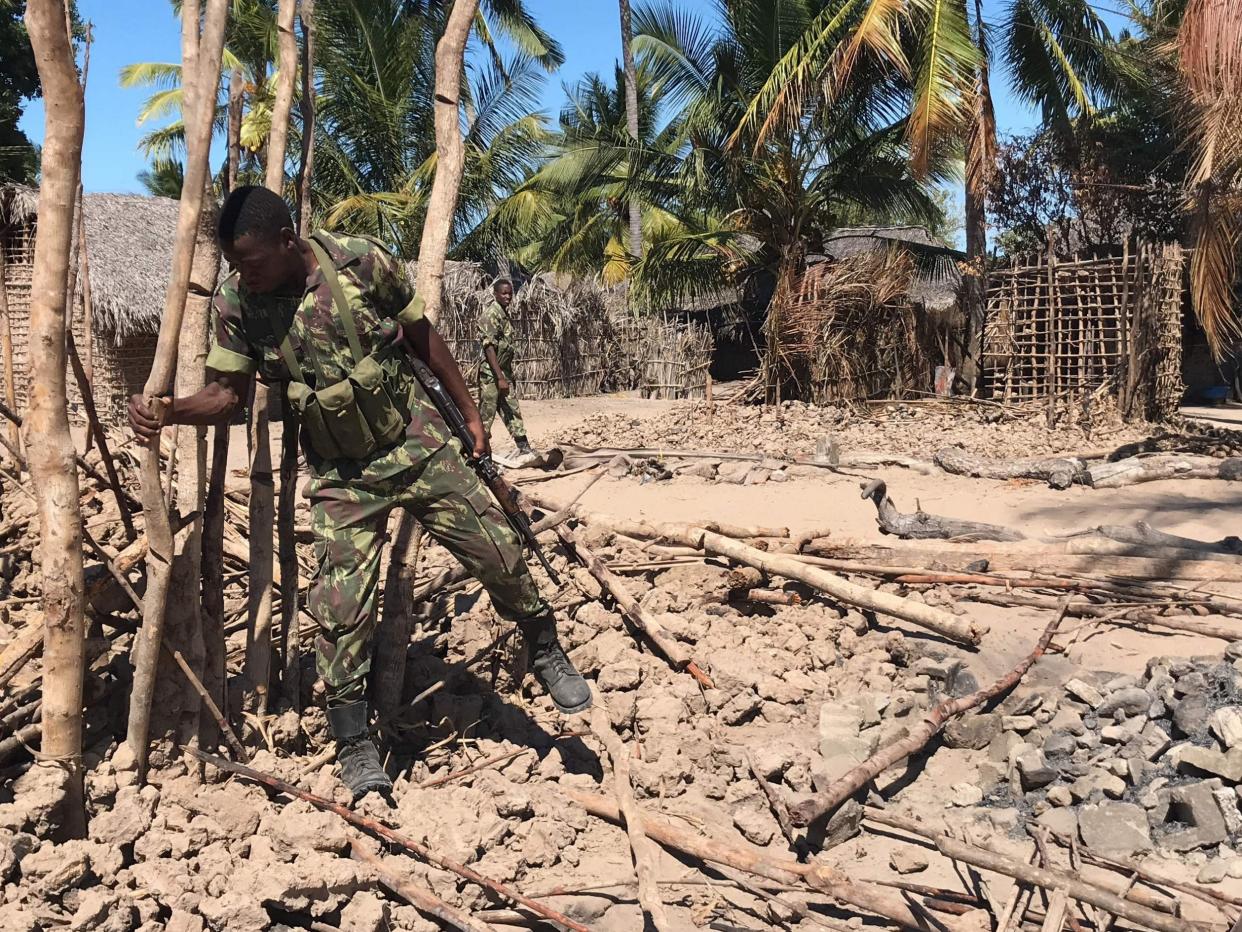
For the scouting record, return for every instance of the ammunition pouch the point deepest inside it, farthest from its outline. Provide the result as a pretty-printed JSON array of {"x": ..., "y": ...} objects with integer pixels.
[{"x": 363, "y": 412}]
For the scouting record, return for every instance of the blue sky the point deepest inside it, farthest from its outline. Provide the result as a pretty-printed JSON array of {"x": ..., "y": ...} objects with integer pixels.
[{"x": 128, "y": 31}]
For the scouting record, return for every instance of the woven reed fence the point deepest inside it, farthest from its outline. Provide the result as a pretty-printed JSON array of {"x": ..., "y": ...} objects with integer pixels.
[
  {"x": 1066, "y": 328},
  {"x": 850, "y": 332},
  {"x": 577, "y": 340}
]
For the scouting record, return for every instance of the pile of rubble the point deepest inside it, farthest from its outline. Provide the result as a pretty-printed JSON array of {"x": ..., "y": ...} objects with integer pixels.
[
  {"x": 793, "y": 429},
  {"x": 1128, "y": 764}
]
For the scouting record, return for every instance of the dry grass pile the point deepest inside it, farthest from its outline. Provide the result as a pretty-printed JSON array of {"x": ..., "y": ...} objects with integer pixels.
[{"x": 851, "y": 332}]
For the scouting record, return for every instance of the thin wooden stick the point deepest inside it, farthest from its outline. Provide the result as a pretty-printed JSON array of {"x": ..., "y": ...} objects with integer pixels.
[
  {"x": 638, "y": 616},
  {"x": 852, "y": 781},
  {"x": 372, "y": 827},
  {"x": 1048, "y": 879},
  {"x": 774, "y": 801},
  {"x": 225, "y": 728},
  {"x": 481, "y": 765},
  {"x": 869, "y": 897},
  {"x": 420, "y": 898},
  {"x": 101, "y": 438},
  {"x": 643, "y": 850}
]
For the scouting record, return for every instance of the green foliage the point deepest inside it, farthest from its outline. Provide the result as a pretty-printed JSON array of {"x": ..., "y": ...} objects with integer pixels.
[
  {"x": 19, "y": 83},
  {"x": 163, "y": 179}
]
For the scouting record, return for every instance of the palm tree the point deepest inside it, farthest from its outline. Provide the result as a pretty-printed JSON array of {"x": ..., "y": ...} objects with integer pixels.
[
  {"x": 376, "y": 146},
  {"x": 1057, "y": 54},
  {"x": 1209, "y": 47},
  {"x": 631, "y": 115},
  {"x": 573, "y": 214},
  {"x": 164, "y": 178}
]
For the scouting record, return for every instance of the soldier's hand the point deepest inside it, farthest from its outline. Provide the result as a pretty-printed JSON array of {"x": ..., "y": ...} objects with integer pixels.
[
  {"x": 502, "y": 386},
  {"x": 145, "y": 422},
  {"x": 478, "y": 438}
]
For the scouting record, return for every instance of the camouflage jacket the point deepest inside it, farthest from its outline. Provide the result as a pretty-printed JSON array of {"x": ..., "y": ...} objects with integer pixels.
[
  {"x": 249, "y": 329},
  {"x": 496, "y": 330}
]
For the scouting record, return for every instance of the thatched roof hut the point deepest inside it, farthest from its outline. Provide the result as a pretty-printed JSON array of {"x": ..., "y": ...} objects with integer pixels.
[
  {"x": 937, "y": 278},
  {"x": 129, "y": 243}
]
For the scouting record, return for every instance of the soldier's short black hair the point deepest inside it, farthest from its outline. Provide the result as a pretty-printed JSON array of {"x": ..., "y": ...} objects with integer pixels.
[
  {"x": 253, "y": 211},
  {"x": 496, "y": 285}
]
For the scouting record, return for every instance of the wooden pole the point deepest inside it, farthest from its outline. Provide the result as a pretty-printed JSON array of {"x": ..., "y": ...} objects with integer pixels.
[
  {"x": 851, "y": 782},
  {"x": 450, "y": 156},
  {"x": 48, "y": 439},
  {"x": 419, "y": 897},
  {"x": 392, "y": 638},
  {"x": 237, "y": 95},
  {"x": 643, "y": 850},
  {"x": 258, "y": 664},
  {"x": 377, "y": 829},
  {"x": 638, "y": 616},
  {"x": 101, "y": 439},
  {"x": 290, "y": 635},
  {"x": 198, "y": 71},
  {"x": 6, "y": 350}
]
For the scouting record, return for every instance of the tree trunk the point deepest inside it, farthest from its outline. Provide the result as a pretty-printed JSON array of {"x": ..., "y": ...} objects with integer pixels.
[
  {"x": 306, "y": 13},
  {"x": 214, "y": 653},
  {"x": 283, "y": 103},
  {"x": 450, "y": 156},
  {"x": 392, "y": 637},
  {"x": 52, "y": 463},
  {"x": 980, "y": 161},
  {"x": 200, "y": 70},
  {"x": 6, "y": 350},
  {"x": 631, "y": 121},
  {"x": 183, "y": 710},
  {"x": 237, "y": 94}
]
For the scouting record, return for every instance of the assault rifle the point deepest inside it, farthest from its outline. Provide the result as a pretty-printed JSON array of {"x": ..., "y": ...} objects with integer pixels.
[{"x": 482, "y": 465}]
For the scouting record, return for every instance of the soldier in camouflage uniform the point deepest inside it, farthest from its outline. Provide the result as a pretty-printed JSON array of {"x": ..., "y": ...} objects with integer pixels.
[
  {"x": 496, "y": 392},
  {"x": 276, "y": 318}
]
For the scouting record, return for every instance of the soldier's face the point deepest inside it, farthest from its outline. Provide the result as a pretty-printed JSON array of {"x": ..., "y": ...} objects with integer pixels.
[
  {"x": 266, "y": 265},
  {"x": 504, "y": 295}
]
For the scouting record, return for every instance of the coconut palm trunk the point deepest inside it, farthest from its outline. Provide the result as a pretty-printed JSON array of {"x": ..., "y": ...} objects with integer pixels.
[
  {"x": 450, "y": 156},
  {"x": 631, "y": 120},
  {"x": 200, "y": 58},
  {"x": 306, "y": 13},
  {"x": 51, "y": 450},
  {"x": 980, "y": 164}
]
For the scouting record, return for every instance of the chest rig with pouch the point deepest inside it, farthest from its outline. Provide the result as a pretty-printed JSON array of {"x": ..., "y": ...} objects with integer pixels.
[{"x": 362, "y": 413}]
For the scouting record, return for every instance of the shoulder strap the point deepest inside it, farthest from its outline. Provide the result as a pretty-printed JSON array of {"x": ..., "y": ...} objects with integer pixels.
[
  {"x": 328, "y": 269},
  {"x": 286, "y": 348}
]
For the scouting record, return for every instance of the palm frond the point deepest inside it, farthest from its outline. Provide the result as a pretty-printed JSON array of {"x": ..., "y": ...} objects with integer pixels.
[
  {"x": 514, "y": 19},
  {"x": 1216, "y": 233},
  {"x": 944, "y": 78}
]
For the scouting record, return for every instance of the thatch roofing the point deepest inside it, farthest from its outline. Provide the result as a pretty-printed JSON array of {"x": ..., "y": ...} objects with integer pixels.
[
  {"x": 937, "y": 276},
  {"x": 129, "y": 241}
]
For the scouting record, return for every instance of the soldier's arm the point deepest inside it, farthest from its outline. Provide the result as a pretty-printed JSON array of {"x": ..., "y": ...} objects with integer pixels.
[
  {"x": 214, "y": 404},
  {"x": 502, "y": 383}
]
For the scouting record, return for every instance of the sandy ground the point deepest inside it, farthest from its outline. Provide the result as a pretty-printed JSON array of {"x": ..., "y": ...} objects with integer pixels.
[{"x": 227, "y": 857}]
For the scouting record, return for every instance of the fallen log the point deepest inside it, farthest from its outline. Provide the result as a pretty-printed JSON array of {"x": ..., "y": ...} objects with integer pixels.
[
  {"x": 860, "y": 557},
  {"x": 1191, "y": 624},
  {"x": 641, "y": 848},
  {"x": 638, "y": 616},
  {"x": 1046, "y": 878},
  {"x": 871, "y": 898},
  {"x": 792, "y": 567},
  {"x": 825, "y": 803},
  {"x": 378, "y": 829},
  {"x": 1085, "y": 546},
  {"x": 842, "y": 590},
  {"x": 1059, "y": 472},
  {"x": 921, "y": 525},
  {"x": 420, "y": 898},
  {"x": 1137, "y": 469},
  {"x": 1143, "y": 534}
]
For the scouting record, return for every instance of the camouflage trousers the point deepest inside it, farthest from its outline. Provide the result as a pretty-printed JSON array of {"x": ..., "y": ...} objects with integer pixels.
[
  {"x": 349, "y": 519},
  {"x": 491, "y": 401}
]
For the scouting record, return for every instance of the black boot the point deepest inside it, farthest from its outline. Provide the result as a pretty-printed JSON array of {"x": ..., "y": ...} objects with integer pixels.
[
  {"x": 361, "y": 769},
  {"x": 552, "y": 668},
  {"x": 523, "y": 446}
]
